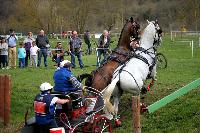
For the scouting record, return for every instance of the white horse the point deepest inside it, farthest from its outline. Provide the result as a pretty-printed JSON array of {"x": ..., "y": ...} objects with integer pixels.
[{"x": 131, "y": 76}]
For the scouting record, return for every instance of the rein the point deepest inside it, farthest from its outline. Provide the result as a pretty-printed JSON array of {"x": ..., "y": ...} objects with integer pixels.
[{"x": 115, "y": 58}]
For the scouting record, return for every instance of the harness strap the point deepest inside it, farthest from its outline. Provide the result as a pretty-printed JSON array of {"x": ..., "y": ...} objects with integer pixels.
[
  {"x": 144, "y": 50},
  {"x": 147, "y": 52},
  {"x": 121, "y": 52},
  {"x": 140, "y": 57},
  {"x": 133, "y": 78}
]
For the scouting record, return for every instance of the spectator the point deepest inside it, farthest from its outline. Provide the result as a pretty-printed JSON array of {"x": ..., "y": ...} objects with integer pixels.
[
  {"x": 12, "y": 53},
  {"x": 44, "y": 106},
  {"x": 33, "y": 53},
  {"x": 27, "y": 45},
  {"x": 4, "y": 54},
  {"x": 58, "y": 53},
  {"x": 21, "y": 55},
  {"x": 103, "y": 45},
  {"x": 87, "y": 41},
  {"x": 42, "y": 42},
  {"x": 75, "y": 45}
]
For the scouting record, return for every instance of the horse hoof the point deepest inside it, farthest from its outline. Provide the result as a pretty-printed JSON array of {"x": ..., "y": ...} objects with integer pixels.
[
  {"x": 143, "y": 108},
  {"x": 118, "y": 123}
]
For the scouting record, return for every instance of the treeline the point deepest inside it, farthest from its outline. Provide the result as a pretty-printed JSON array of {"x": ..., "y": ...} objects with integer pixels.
[{"x": 95, "y": 15}]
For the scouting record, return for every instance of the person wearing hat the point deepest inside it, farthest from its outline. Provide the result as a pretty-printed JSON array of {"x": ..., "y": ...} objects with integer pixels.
[
  {"x": 66, "y": 82},
  {"x": 64, "y": 79},
  {"x": 27, "y": 45},
  {"x": 44, "y": 107}
]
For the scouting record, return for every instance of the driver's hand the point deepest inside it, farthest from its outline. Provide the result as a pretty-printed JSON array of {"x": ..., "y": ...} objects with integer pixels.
[{"x": 84, "y": 90}]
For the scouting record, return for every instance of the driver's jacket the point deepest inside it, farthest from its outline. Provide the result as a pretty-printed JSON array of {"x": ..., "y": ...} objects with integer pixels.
[
  {"x": 65, "y": 81},
  {"x": 44, "y": 107}
]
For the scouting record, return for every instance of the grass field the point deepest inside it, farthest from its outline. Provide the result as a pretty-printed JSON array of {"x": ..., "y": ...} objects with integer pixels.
[{"x": 182, "y": 115}]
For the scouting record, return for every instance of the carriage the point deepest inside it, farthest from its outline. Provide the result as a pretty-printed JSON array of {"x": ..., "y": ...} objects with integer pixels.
[{"x": 72, "y": 116}]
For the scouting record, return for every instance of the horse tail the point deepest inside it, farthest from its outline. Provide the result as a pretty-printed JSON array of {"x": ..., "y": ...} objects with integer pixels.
[{"x": 107, "y": 94}]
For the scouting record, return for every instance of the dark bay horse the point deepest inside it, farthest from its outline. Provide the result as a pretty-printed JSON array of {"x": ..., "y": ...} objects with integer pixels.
[{"x": 102, "y": 76}]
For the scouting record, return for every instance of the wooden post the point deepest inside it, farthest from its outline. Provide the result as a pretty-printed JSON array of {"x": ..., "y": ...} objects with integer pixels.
[
  {"x": 136, "y": 114},
  {"x": 5, "y": 88},
  {"x": 2, "y": 98},
  {"x": 7, "y": 97}
]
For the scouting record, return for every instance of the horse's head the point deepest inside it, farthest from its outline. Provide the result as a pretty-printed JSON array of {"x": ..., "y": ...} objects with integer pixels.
[
  {"x": 134, "y": 28},
  {"x": 153, "y": 33},
  {"x": 158, "y": 34}
]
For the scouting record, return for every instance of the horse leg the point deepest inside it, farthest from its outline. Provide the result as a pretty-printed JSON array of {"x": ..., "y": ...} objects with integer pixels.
[
  {"x": 153, "y": 75},
  {"x": 117, "y": 94}
]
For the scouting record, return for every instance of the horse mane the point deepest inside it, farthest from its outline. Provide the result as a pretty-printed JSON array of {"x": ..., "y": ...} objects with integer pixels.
[
  {"x": 121, "y": 33},
  {"x": 83, "y": 76}
]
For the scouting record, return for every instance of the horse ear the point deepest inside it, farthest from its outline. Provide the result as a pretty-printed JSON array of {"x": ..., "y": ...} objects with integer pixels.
[
  {"x": 148, "y": 21},
  {"x": 131, "y": 19},
  {"x": 156, "y": 22}
]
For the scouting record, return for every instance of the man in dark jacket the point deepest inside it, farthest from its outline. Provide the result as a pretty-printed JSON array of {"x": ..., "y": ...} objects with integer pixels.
[
  {"x": 42, "y": 41},
  {"x": 87, "y": 41},
  {"x": 103, "y": 47}
]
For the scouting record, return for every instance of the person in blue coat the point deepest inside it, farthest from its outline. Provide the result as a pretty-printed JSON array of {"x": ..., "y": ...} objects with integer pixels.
[
  {"x": 64, "y": 79},
  {"x": 44, "y": 107},
  {"x": 66, "y": 82}
]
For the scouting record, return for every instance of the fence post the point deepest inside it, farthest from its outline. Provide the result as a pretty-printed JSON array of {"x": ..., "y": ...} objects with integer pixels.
[
  {"x": 2, "y": 98},
  {"x": 192, "y": 48},
  {"x": 199, "y": 41},
  {"x": 5, "y": 88},
  {"x": 136, "y": 114},
  {"x": 171, "y": 36}
]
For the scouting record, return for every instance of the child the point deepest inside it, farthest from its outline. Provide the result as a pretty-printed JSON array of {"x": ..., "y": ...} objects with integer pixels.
[
  {"x": 21, "y": 55},
  {"x": 4, "y": 53},
  {"x": 33, "y": 52}
]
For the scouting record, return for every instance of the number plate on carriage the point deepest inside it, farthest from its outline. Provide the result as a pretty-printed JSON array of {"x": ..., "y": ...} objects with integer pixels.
[{"x": 40, "y": 107}]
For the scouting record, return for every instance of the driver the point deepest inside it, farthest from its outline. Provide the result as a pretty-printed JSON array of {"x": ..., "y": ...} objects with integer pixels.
[
  {"x": 66, "y": 82},
  {"x": 64, "y": 79},
  {"x": 44, "y": 106}
]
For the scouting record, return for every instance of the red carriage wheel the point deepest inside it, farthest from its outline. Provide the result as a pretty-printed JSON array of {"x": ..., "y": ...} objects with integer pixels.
[{"x": 101, "y": 125}]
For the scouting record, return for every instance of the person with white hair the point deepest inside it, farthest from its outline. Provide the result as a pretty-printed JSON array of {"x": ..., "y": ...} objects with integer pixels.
[
  {"x": 103, "y": 47},
  {"x": 42, "y": 43},
  {"x": 44, "y": 107},
  {"x": 75, "y": 45}
]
